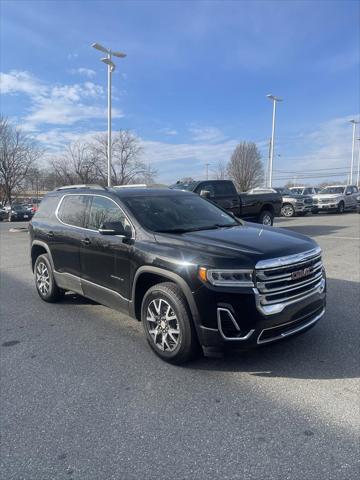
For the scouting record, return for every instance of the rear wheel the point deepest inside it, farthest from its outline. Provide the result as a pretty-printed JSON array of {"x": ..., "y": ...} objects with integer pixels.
[
  {"x": 287, "y": 210},
  {"x": 45, "y": 281},
  {"x": 266, "y": 218},
  {"x": 168, "y": 324}
]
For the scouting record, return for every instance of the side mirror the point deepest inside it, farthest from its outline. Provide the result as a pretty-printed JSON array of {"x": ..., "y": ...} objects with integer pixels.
[
  {"x": 205, "y": 194},
  {"x": 348, "y": 193},
  {"x": 114, "y": 228}
]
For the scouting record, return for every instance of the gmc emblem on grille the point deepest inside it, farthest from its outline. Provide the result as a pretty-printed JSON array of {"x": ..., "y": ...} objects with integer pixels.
[{"x": 300, "y": 273}]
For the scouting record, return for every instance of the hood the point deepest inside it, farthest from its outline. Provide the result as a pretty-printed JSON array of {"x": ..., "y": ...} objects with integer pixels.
[
  {"x": 328, "y": 195},
  {"x": 297, "y": 197},
  {"x": 239, "y": 246}
]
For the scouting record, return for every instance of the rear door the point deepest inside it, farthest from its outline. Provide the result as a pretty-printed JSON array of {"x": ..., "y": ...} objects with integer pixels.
[
  {"x": 65, "y": 236},
  {"x": 105, "y": 259}
]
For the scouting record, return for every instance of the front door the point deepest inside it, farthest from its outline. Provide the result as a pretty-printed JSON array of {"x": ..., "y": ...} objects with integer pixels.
[{"x": 105, "y": 259}]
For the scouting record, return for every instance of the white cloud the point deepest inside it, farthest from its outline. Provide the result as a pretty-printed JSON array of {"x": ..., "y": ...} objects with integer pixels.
[
  {"x": 169, "y": 131},
  {"x": 87, "y": 72},
  {"x": 206, "y": 134},
  {"x": 21, "y": 82},
  {"x": 56, "y": 104}
]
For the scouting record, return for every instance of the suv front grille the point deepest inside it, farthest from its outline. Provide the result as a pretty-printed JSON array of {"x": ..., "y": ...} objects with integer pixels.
[{"x": 290, "y": 282}]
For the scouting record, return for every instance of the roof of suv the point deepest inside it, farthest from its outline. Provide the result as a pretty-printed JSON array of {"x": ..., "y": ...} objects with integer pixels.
[{"x": 119, "y": 191}]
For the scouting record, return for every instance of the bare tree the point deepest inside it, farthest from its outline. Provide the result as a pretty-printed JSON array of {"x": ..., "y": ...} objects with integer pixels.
[
  {"x": 221, "y": 170},
  {"x": 127, "y": 165},
  {"x": 18, "y": 152},
  {"x": 245, "y": 167},
  {"x": 76, "y": 165}
]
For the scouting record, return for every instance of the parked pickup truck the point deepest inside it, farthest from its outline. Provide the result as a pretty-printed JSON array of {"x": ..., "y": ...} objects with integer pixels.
[
  {"x": 336, "y": 198},
  {"x": 255, "y": 207},
  {"x": 294, "y": 204}
]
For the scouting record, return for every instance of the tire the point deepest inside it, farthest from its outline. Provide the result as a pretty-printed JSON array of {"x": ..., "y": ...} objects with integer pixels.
[
  {"x": 45, "y": 281},
  {"x": 341, "y": 208},
  {"x": 314, "y": 212},
  {"x": 287, "y": 210},
  {"x": 164, "y": 308},
  {"x": 266, "y": 218}
]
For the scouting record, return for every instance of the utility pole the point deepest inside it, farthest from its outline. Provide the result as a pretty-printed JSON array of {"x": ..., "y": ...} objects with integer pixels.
[
  {"x": 354, "y": 123},
  {"x": 207, "y": 170},
  {"x": 274, "y": 99}
]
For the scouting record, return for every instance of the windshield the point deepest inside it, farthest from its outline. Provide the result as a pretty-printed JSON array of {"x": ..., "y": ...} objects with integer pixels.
[
  {"x": 19, "y": 208},
  {"x": 333, "y": 190},
  {"x": 177, "y": 213},
  {"x": 184, "y": 186},
  {"x": 297, "y": 191},
  {"x": 284, "y": 191}
]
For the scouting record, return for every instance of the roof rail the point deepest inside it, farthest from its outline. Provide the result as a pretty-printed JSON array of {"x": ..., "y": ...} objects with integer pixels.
[{"x": 71, "y": 187}]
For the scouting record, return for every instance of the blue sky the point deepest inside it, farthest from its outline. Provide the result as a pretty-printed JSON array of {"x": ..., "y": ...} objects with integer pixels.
[{"x": 195, "y": 80}]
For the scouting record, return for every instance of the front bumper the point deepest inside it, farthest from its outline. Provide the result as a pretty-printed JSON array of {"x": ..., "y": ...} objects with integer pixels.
[
  {"x": 303, "y": 208},
  {"x": 325, "y": 206},
  {"x": 256, "y": 329}
]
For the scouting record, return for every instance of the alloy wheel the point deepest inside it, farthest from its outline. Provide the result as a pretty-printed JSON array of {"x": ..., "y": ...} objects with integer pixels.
[
  {"x": 43, "y": 278},
  {"x": 287, "y": 211},
  {"x": 163, "y": 325},
  {"x": 266, "y": 220}
]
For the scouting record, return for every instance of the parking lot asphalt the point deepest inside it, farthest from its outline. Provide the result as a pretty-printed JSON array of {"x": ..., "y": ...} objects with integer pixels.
[{"x": 83, "y": 397}]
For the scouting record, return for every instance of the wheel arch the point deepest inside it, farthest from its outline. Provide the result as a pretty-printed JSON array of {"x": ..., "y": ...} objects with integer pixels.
[
  {"x": 146, "y": 277},
  {"x": 267, "y": 207},
  {"x": 39, "y": 248}
]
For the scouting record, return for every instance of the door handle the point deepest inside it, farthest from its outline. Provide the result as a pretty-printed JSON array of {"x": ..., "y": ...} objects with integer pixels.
[
  {"x": 50, "y": 234},
  {"x": 86, "y": 242}
]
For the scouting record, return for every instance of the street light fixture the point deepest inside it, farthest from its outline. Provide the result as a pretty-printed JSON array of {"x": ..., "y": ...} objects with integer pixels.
[
  {"x": 111, "y": 67},
  {"x": 354, "y": 123},
  {"x": 270, "y": 166}
]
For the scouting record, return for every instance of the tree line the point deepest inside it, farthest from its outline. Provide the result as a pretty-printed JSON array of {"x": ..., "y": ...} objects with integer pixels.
[{"x": 83, "y": 161}]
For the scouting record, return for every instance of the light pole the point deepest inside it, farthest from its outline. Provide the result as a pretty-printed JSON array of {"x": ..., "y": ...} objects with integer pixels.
[
  {"x": 358, "y": 168},
  {"x": 354, "y": 123},
  {"x": 111, "y": 67},
  {"x": 274, "y": 99}
]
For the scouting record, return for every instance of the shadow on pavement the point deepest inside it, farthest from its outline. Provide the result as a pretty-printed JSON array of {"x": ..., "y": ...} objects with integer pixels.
[{"x": 314, "y": 230}]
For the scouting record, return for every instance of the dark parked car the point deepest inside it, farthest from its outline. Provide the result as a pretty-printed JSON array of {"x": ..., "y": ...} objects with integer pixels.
[
  {"x": 255, "y": 207},
  {"x": 18, "y": 213},
  {"x": 191, "y": 272}
]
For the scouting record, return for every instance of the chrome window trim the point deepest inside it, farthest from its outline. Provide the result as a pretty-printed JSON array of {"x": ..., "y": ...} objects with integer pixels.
[
  {"x": 133, "y": 231},
  {"x": 289, "y": 332},
  {"x": 239, "y": 339},
  {"x": 288, "y": 260}
]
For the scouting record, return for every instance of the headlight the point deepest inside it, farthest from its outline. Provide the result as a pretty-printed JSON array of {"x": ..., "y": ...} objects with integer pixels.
[
  {"x": 227, "y": 278},
  {"x": 358, "y": 199}
]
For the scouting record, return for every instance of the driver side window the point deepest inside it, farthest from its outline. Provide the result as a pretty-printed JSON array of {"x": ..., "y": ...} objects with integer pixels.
[{"x": 103, "y": 210}]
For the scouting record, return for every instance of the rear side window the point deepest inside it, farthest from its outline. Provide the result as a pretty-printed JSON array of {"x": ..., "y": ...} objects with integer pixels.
[
  {"x": 224, "y": 188},
  {"x": 104, "y": 210},
  {"x": 47, "y": 207},
  {"x": 72, "y": 210}
]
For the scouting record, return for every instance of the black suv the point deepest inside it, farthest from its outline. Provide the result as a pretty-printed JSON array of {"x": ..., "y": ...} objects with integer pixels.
[{"x": 192, "y": 273}]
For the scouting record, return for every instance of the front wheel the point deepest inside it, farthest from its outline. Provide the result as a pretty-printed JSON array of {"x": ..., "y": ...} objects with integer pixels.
[
  {"x": 287, "y": 210},
  {"x": 45, "y": 281},
  {"x": 168, "y": 324},
  {"x": 266, "y": 218},
  {"x": 341, "y": 207}
]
